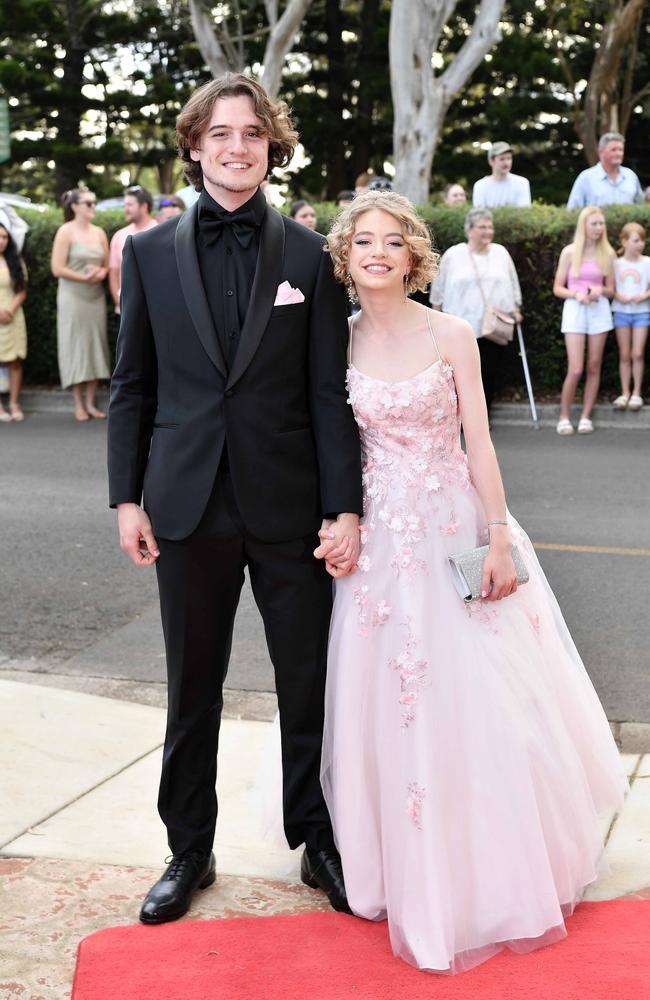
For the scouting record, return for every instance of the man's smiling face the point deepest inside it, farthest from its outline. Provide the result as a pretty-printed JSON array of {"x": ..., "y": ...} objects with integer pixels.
[{"x": 234, "y": 150}]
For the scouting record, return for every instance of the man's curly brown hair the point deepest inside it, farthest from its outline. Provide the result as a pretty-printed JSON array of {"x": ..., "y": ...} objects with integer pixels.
[
  {"x": 195, "y": 117},
  {"x": 424, "y": 259}
]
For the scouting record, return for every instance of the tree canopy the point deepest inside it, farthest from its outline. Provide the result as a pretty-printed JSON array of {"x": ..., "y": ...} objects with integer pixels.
[{"x": 94, "y": 88}]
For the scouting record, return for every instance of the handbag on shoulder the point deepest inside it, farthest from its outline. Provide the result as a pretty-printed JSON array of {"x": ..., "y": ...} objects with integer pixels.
[{"x": 498, "y": 324}]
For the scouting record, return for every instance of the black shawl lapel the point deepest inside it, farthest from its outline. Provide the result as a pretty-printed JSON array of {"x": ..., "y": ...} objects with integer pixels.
[
  {"x": 270, "y": 261},
  {"x": 193, "y": 290}
]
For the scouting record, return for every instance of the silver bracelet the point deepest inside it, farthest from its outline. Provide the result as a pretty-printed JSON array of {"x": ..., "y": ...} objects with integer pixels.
[{"x": 497, "y": 522}]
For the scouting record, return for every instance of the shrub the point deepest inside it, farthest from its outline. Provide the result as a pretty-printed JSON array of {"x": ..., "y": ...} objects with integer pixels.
[{"x": 533, "y": 236}]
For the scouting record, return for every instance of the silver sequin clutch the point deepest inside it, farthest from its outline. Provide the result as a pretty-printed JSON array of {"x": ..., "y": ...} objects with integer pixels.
[{"x": 467, "y": 570}]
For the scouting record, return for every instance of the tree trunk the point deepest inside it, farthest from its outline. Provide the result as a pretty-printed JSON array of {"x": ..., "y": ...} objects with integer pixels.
[
  {"x": 67, "y": 147},
  {"x": 600, "y": 107},
  {"x": 420, "y": 99},
  {"x": 335, "y": 156},
  {"x": 281, "y": 38},
  {"x": 368, "y": 48}
]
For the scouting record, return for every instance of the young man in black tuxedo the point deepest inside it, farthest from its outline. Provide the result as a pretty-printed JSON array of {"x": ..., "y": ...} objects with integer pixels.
[{"x": 231, "y": 444}]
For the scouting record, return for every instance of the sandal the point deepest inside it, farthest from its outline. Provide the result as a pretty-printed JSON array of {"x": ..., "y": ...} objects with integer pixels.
[
  {"x": 16, "y": 412},
  {"x": 585, "y": 426},
  {"x": 621, "y": 402},
  {"x": 564, "y": 427},
  {"x": 81, "y": 415},
  {"x": 636, "y": 402},
  {"x": 5, "y": 417},
  {"x": 93, "y": 411}
]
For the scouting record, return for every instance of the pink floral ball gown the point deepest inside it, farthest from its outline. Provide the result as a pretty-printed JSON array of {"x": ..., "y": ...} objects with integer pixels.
[{"x": 467, "y": 762}]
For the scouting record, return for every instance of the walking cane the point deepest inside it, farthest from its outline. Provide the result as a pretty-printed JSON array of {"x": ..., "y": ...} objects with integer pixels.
[{"x": 529, "y": 386}]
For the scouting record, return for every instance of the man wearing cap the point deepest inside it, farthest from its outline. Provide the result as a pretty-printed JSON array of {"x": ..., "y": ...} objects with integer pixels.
[
  {"x": 502, "y": 187},
  {"x": 608, "y": 182}
]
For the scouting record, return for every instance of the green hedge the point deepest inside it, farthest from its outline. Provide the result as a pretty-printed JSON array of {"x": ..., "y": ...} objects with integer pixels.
[{"x": 533, "y": 236}]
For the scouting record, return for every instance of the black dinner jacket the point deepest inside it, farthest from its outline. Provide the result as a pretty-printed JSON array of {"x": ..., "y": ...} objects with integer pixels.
[{"x": 282, "y": 410}]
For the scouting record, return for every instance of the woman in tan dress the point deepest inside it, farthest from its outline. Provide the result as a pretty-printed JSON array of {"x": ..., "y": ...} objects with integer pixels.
[
  {"x": 13, "y": 335},
  {"x": 80, "y": 262}
]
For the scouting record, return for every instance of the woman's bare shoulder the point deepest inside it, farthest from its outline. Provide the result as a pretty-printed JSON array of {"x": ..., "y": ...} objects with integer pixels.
[{"x": 453, "y": 334}]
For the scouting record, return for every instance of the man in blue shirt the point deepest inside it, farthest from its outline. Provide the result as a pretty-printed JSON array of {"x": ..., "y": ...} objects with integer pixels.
[{"x": 608, "y": 183}]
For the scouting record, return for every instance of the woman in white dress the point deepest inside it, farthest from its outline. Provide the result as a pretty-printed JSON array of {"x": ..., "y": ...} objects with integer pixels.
[{"x": 466, "y": 760}]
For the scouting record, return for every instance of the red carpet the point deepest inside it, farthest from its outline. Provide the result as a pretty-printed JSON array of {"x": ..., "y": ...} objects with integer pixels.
[{"x": 329, "y": 956}]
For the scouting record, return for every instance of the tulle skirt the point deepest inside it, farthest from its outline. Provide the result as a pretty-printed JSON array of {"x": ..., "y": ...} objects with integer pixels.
[{"x": 467, "y": 765}]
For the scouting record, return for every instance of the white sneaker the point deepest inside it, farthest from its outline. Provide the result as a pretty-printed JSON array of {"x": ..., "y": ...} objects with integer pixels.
[
  {"x": 564, "y": 427},
  {"x": 635, "y": 403},
  {"x": 585, "y": 426}
]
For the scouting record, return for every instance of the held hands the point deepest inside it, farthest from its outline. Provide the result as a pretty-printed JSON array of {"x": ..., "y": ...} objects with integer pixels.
[
  {"x": 136, "y": 535},
  {"x": 499, "y": 573},
  {"x": 339, "y": 545}
]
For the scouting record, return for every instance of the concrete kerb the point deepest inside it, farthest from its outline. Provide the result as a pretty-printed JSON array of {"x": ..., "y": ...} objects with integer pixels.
[{"x": 503, "y": 414}]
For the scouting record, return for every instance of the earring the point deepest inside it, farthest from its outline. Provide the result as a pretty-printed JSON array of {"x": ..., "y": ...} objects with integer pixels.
[
  {"x": 406, "y": 285},
  {"x": 351, "y": 292}
]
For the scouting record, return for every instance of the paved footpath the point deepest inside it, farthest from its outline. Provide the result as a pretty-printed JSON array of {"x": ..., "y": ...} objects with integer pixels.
[{"x": 80, "y": 840}]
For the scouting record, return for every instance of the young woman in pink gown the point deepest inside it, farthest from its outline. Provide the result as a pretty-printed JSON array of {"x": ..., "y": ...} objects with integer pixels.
[{"x": 467, "y": 762}]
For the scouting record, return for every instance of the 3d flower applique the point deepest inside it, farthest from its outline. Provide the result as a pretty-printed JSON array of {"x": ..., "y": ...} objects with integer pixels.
[
  {"x": 381, "y": 613},
  {"x": 360, "y": 597},
  {"x": 415, "y": 796},
  {"x": 486, "y": 614},
  {"x": 432, "y": 484},
  {"x": 535, "y": 623},
  {"x": 412, "y": 677},
  {"x": 451, "y": 527},
  {"x": 364, "y": 563}
]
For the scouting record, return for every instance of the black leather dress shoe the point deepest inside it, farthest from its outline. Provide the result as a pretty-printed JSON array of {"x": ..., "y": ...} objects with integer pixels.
[
  {"x": 323, "y": 870},
  {"x": 171, "y": 896}
]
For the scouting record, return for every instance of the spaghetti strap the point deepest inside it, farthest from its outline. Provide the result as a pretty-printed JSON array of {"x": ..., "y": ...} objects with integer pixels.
[{"x": 435, "y": 342}]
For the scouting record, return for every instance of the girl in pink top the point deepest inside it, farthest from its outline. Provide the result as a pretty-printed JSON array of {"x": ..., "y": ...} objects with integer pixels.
[{"x": 585, "y": 280}]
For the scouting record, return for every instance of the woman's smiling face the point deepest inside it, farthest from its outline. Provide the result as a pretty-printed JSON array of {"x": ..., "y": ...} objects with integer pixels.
[{"x": 379, "y": 254}]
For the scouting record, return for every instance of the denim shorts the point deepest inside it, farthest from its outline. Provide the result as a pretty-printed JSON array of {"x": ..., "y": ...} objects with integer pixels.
[{"x": 631, "y": 319}]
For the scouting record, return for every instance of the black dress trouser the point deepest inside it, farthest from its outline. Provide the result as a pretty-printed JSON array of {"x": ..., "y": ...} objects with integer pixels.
[{"x": 200, "y": 580}]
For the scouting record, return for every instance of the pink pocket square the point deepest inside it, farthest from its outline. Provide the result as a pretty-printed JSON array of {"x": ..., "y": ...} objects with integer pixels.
[{"x": 288, "y": 296}]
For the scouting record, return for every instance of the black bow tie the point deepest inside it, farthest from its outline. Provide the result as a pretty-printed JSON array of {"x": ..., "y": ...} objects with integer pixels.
[{"x": 243, "y": 226}]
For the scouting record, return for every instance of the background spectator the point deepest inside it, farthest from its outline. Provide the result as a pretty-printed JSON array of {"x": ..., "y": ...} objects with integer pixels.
[
  {"x": 80, "y": 262},
  {"x": 631, "y": 313},
  {"x": 608, "y": 182},
  {"x": 169, "y": 205},
  {"x": 13, "y": 334},
  {"x": 362, "y": 181},
  {"x": 138, "y": 204},
  {"x": 584, "y": 279},
  {"x": 646, "y": 196},
  {"x": 454, "y": 194},
  {"x": 344, "y": 198},
  {"x": 501, "y": 187},
  {"x": 456, "y": 288},
  {"x": 303, "y": 213}
]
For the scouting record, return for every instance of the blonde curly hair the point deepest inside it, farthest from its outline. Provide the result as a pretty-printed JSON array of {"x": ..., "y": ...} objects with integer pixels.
[{"x": 424, "y": 259}]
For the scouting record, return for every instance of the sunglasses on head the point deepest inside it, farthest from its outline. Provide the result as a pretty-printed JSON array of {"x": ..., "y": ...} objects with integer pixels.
[{"x": 168, "y": 203}]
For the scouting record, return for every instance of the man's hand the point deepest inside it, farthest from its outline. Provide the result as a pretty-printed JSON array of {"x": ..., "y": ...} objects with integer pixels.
[
  {"x": 339, "y": 545},
  {"x": 136, "y": 535}
]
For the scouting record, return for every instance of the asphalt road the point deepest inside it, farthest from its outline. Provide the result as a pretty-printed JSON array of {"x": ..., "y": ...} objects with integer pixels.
[{"x": 72, "y": 603}]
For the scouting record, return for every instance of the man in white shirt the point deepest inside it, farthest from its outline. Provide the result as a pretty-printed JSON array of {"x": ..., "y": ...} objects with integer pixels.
[
  {"x": 138, "y": 204},
  {"x": 502, "y": 187},
  {"x": 609, "y": 182}
]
